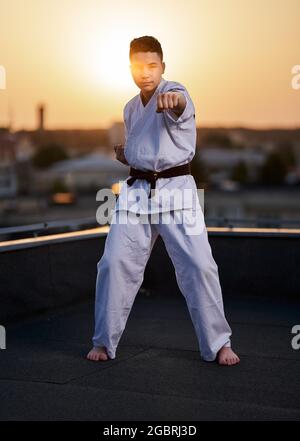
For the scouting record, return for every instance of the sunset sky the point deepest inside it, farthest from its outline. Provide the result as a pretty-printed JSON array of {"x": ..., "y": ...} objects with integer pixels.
[{"x": 234, "y": 57}]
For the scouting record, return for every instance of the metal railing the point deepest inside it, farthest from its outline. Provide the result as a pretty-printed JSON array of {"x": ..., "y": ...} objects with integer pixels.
[
  {"x": 44, "y": 228},
  {"x": 52, "y": 227},
  {"x": 254, "y": 222}
]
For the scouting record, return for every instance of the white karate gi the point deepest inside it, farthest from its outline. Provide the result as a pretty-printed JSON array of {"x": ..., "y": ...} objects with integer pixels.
[{"x": 157, "y": 141}]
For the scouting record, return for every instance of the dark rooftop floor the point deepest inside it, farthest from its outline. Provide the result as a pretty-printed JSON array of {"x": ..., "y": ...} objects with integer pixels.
[{"x": 158, "y": 373}]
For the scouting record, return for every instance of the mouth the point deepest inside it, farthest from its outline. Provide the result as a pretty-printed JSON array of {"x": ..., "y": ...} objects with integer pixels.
[{"x": 147, "y": 84}]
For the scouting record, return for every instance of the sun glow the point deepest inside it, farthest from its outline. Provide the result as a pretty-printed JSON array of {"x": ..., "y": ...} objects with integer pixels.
[
  {"x": 74, "y": 56},
  {"x": 107, "y": 62}
]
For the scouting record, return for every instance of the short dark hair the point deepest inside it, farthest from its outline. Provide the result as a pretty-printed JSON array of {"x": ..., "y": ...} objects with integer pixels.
[{"x": 145, "y": 44}]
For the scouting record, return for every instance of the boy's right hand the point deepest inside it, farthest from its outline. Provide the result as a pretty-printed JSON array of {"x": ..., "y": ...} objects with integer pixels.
[{"x": 119, "y": 151}]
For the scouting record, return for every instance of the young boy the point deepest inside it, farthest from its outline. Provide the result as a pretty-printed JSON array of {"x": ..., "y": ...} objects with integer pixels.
[{"x": 160, "y": 134}]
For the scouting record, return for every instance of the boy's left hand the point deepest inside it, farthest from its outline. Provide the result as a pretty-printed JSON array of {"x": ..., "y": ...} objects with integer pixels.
[
  {"x": 171, "y": 100},
  {"x": 119, "y": 151}
]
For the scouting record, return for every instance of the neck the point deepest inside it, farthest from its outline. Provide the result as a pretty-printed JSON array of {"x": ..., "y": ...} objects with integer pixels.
[{"x": 146, "y": 96}]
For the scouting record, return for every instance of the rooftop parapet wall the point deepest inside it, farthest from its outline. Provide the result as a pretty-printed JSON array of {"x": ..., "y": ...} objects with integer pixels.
[{"x": 48, "y": 272}]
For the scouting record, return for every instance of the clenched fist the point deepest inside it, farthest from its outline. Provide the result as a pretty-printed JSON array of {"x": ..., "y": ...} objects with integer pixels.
[
  {"x": 119, "y": 151},
  {"x": 171, "y": 100}
]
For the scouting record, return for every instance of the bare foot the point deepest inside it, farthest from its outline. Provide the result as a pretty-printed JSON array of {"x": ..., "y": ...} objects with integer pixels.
[
  {"x": 226, "y": 356},
  {"x": 97, "y": 354}
]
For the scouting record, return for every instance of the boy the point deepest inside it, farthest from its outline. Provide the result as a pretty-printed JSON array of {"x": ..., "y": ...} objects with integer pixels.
[{"x": 160, "y": 134}]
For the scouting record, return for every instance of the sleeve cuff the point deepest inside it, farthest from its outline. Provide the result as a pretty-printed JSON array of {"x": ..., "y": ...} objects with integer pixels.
[{"x": 189, "y": 112}]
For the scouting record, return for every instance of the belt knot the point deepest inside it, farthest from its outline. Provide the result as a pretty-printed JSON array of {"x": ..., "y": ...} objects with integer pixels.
[{"x": 152, "y": 175}]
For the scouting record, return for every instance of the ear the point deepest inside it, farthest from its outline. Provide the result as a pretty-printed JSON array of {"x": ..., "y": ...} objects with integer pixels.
[{"x": 164, "y": 66}]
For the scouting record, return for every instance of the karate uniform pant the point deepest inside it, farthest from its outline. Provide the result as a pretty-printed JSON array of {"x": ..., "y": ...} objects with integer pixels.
[{"x": 121, "y": 271}]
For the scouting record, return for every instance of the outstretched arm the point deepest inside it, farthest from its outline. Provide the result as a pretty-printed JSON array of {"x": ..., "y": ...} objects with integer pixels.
[{"x": 175, "y": 101}]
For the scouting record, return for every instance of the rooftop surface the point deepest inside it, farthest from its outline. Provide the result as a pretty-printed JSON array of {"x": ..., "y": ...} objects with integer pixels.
[{"x": 158, "y": 373}]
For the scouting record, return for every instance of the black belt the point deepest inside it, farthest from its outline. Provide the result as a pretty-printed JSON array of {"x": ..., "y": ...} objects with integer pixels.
[{"x": 152, "y": 176}]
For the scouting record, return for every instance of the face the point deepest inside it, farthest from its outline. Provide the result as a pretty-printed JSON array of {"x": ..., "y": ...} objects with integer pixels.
[{"x": 146, "y": 70}]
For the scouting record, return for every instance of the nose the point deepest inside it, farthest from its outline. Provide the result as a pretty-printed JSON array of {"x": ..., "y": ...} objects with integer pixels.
[{"x": 145, "y": 73}]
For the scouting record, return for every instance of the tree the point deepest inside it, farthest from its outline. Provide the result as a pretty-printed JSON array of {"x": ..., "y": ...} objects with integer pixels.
[
  {"x": 286, "y": 151},
  {"x": 48, "y": 155},
  {"x": 273, "y": 170},
  {"x": 240, "y": 172},
  {"x": 216, "y": 138}
]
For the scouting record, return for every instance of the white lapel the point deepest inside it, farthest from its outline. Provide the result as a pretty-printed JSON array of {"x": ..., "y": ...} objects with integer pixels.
[{"x": 147, "y": 113}]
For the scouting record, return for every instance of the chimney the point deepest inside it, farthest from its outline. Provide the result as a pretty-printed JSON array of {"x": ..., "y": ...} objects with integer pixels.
[{"x": 41, "y": 110}]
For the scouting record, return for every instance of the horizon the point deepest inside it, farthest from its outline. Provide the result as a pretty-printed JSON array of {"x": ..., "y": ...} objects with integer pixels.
[{"x": 198, "y": 126}]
